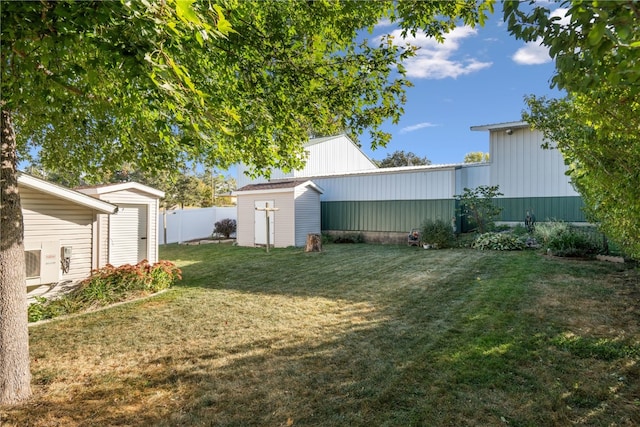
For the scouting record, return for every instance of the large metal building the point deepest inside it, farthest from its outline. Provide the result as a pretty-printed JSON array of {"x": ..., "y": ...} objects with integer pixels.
[
  {"x": 384, "y": 204},
  {"x": 531, "y": 178}
]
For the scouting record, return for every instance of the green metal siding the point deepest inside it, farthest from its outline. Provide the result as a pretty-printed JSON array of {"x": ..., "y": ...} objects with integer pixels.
[
  {"x": 384, "y": 215},
  {"x": 403, "y": 215},
  {"x": 545, "y": 208}
]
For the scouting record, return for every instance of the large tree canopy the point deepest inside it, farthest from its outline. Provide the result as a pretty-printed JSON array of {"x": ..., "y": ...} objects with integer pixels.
[
  {"x": 596, "y": 47},
  {"x": 94, "y": 85}
]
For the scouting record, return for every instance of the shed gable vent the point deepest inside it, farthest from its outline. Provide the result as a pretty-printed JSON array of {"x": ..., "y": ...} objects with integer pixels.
[{"x": 32, "y": 262}]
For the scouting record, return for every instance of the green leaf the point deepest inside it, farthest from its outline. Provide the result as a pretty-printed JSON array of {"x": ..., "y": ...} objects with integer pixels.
[
  {"x": 186, "y": 13},
  {"x": 595, "y": 34}
]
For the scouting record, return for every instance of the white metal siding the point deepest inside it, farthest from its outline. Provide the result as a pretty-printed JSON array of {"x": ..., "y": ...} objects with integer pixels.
[
  {"x": 406, "y": 185},
  {"x": 335, "y": 155},
  {"x": 325, "y": 156},
  {"x": 307, "y": 214},
  {"x": 47, "y": 218},
  {"x": 472, "y": 177},
  {"x": 521, "y": 168}
]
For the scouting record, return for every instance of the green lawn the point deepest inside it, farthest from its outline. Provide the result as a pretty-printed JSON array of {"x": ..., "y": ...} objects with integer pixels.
[{"x": 358, "y": 335}]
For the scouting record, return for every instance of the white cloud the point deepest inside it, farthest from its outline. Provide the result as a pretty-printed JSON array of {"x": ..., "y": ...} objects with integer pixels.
[
  {"x": 532, "y": 53},
  {"x": 561, "y": 12},
  {"x": 435, "y": 60},
  {"x": 419, "y": 126},
  {"x": 384, "y": 22}
]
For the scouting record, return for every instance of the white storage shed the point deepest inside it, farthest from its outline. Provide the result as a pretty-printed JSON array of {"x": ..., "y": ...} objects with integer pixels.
[
  {"x": 297, "y": 215},
  {"x": 133, "y": 229}
]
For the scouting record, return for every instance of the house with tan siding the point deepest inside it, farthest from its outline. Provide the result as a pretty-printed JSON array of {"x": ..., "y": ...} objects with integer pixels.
[
  {"x": 61, "y": 231},
  {"x": 68, "y": 233}
]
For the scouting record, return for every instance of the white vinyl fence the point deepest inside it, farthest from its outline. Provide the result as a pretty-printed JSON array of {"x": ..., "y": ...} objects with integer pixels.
[{"x": 191, "y": 224}]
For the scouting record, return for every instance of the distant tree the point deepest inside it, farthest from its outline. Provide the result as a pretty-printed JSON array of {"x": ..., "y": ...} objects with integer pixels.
[
  {"x": 476, "y": 157},
  {"x": 400, "y": 158}
]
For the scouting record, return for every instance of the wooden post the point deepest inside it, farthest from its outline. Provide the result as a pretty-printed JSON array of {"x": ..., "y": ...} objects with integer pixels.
[
  {"x": 266, "y": 210},
  {"x": 314, "y": 243}
]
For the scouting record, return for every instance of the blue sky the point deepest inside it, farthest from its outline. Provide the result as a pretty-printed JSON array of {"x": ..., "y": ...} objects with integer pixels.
[{"x": 476, "y": 77}]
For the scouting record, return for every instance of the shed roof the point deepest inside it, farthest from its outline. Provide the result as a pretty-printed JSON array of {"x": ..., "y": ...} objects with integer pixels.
[
  {"x": 111, "y": 188},
  {"x": 65, "y": 193},
  {"x": 278, "y": 187},
  {"x": 499, "y": 126}
]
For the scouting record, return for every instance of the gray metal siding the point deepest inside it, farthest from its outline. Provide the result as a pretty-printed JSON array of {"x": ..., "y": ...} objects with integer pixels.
[{"x": 384, "y": 215}]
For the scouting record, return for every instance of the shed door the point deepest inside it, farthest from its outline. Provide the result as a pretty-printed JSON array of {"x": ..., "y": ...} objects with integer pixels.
[
  {"x": 128, "y": 235},
  {"x": 260, "y": 223}
]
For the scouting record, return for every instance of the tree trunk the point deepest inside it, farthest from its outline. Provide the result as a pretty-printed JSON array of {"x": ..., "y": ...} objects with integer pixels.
[
  {"x": 314, "y": 243},
  {"x": 15, "y": 377}
]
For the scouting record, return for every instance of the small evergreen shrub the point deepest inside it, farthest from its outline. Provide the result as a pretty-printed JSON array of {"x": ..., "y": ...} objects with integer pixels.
[
  {"x": 225, "y": 227},
  {"x": 437, "y": 233},
  {"x": 108, "y": 285},
  {"x": 498, "y": 242}
]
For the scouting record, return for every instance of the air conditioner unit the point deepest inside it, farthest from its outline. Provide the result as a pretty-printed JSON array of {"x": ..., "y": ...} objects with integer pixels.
[{"x": 42, "y": 261}]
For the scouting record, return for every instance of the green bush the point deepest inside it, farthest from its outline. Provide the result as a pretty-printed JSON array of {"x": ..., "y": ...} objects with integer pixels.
[
  {"x": 519, "y": 230},
  {"x": 225, "y": 227},
  {"x": 476, "y": 204},
  {"x": 498, "y": 242},
  {"x": 437, "y": 233},
  {"x": 349, "y": 238},
  {"x": 108, "y": 285},
  {"x": 564, "y": 240}
]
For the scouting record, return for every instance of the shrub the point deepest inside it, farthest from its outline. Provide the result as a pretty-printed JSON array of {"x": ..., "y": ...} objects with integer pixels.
[
  {"x": 437, "y": 233},
  {"x": 498, "y": 242},
  {"x": 564, "y": 240},
  {"x": 350, "y": 238},
  {"x": 225, "y": 227},
  {"x": 108, "y": 285},
  {"x": 477, "y": 206},
  {"x": 519, "y": 230}
]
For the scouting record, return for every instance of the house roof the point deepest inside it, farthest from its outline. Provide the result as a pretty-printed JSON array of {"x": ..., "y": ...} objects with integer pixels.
[
  {"x": 277, "y": 187},
  {"x": 111, "y": 188},
  {"x": 499, "y": 126},
  {"x": 64, "y": 193}
]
